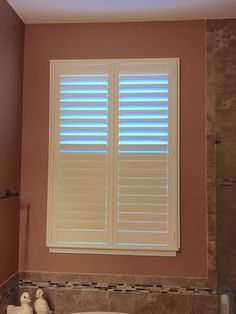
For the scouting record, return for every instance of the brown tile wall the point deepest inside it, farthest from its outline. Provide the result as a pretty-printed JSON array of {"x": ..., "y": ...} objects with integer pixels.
[
  {"x": 63, "y": 301},
  {"x": 9, "y": 293},
  {"x": 221, "y": 55},
  {"x": 211, "y": 158},
  {"x": 73, "y": 292}
]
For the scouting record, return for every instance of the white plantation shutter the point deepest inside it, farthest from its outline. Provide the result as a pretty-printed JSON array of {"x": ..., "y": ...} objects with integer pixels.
[
  {"x": 113, "y": 158},
  {"x": 81, "y": 155},
  {"x": 143, "y": 211}
]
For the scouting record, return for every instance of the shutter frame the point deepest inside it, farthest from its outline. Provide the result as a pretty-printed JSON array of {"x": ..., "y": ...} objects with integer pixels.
[{"x": 106, "y": 248}]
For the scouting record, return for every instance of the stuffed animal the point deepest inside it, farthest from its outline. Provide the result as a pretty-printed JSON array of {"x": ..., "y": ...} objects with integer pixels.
[
  {"x": 25, "y": 308},
  {"x": 40, "y": 304}
]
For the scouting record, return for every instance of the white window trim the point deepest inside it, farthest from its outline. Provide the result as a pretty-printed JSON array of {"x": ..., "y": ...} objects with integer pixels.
[{"x": 115, "y": 249}]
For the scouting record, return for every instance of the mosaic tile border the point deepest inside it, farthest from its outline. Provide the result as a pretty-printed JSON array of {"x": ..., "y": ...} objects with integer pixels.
[{"x": 115, "y": 287}]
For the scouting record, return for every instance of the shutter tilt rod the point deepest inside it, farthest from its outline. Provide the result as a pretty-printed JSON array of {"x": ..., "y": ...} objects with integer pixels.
[{"x": 8, "y": 194}]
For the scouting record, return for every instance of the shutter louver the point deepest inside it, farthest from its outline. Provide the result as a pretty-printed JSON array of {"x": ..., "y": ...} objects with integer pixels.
[
  {"x": 142, "y": 215},
  {"x": 82, "y": 159}
]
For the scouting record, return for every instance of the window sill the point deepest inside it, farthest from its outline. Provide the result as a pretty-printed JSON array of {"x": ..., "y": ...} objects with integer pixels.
[{"x": 113, "y": 251}]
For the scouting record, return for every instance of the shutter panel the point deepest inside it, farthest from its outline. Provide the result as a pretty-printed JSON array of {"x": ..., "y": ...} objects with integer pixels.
[
  {"x": 143, "y": 213},
  {"x": 81, "y": 157}
]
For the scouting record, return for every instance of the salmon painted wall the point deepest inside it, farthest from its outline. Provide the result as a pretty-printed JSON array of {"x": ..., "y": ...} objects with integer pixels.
[
  {"x": 118, "y": 40},
  {"x": 11, "y": 66}
]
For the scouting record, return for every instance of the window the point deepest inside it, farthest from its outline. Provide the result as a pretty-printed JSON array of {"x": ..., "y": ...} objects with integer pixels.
[{"x": 113, "y": 182}]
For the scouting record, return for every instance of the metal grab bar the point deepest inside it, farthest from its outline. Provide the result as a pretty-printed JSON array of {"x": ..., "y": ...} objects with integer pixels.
[{"x": 8, "y": 194}]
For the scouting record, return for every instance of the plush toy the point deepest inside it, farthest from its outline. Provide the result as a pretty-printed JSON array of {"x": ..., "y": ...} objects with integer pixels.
[
  {"x": 25, "y": 308},
  {"x": 40, "y": 304}
]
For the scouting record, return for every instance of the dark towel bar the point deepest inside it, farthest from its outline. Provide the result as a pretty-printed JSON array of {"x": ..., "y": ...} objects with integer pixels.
[{"x": 9, "y": 194}]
